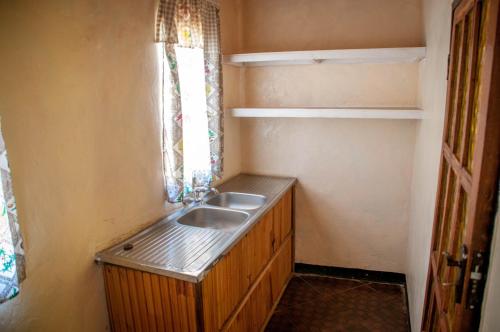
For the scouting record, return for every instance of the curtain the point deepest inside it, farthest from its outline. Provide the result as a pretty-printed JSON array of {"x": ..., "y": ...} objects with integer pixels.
[
  {"x": 213, "y": 79},
  {"x": 189, "y": 24},
  {"x": 12, "y": 270}
]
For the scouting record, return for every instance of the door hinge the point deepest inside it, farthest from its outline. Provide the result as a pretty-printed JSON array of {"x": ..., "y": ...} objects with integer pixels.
[{"x": 476, "y": 281}]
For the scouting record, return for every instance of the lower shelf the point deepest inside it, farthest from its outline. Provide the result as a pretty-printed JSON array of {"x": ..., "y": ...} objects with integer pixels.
[{"x": 397, "y": 113}]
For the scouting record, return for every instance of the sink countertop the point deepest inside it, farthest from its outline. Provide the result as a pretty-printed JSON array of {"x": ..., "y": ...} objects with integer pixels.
[{"x": 188, "y": 253}]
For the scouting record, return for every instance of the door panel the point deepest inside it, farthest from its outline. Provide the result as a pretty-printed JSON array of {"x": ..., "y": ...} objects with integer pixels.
[{"x": 468, "y": 171}]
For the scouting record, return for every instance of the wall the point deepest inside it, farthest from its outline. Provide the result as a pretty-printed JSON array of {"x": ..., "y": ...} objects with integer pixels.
[
  {"x": 490, "y": 321},
  {"x": 291, "y": 25},
  {"x": 79, "y": 95},
  {"x": 354, "y": 175},
  {"x": 352, "y": 197},
  {"x": 437, "y": 23},
  {"x": 231, "y": 29}
]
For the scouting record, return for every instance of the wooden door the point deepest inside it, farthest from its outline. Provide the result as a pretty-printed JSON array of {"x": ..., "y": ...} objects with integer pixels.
[{"x": 469, "y": 171}]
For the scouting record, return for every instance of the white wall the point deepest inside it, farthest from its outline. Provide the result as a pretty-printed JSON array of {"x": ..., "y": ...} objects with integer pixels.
[{"x": 437, "y": 15}]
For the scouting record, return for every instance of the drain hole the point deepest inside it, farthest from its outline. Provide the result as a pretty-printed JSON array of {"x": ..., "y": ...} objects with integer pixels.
[{"x": 128, "y": 246}]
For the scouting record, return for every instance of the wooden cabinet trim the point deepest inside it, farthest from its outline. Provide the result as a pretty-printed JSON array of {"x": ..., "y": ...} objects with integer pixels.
[{"x": 262, "y": 274}]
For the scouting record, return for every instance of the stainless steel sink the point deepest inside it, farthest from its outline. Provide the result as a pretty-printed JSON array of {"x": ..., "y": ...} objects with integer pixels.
[
  {"x": 214, "y": 218},
  {"x": 238, "y": 201}
]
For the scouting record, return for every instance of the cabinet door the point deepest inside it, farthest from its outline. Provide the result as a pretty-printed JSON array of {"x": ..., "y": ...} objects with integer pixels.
[
  {"x": 257, "y": 308},
  {"x": 143, "y": 301},
  {"x": 231, "y": 278},
  {"x": 254, "y": 312},
  {"x": 282, "y": 219},
  {"x": 281, "y": 270}
]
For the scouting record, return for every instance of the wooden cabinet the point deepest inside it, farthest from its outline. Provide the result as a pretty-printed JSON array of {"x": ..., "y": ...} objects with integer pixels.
[
  {"x": 257, "y": 307},
  {"x": 238, "y": 294},
  {"x": 143, "y": 301}
]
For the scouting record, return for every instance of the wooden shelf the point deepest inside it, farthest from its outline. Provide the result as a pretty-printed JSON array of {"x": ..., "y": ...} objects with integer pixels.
[
  {"x": 367, "y": 55},
  {"x": 401, "y": 113}
]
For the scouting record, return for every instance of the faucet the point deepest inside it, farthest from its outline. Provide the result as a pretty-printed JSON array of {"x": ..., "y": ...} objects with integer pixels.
[{"x": 198, "y": 194}]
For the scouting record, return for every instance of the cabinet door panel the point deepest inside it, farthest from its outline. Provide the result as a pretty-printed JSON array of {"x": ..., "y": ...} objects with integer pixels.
[
  {"x": 258, "y": 306},
  {"x": 253, "y": 314},
  {"x": 282, "y": 219},
  {"x": 230, "y": 279},
  {"x": 143, "y": 301},
  {"x": 281, "y": 269}
]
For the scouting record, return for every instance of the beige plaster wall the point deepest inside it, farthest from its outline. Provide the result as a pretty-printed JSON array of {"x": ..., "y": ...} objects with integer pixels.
[
  {"x": 437, "y": 22},
  {"x": 354, "y": 175},
  {"x": 325, "y": 85},
  {"x": 231, "y": 25},
  {"x": 79, "y": 94},
  {"x": 289, "y": 25},
  {"x": 231, "y": 29},
  {"x": 353, "y": 191}
]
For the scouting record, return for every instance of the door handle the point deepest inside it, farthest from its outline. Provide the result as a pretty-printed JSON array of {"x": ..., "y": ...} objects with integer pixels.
[{"x": 461, "y": 264}]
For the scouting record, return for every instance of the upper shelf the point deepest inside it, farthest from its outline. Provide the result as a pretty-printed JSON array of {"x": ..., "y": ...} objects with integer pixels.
[
  {"x": 367, "y": 55},
  {"x": 401, "y": 113}
]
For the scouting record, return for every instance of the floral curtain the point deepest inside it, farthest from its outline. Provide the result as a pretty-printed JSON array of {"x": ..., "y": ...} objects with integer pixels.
[
  {"x": 189, "y": 24},
  {"x": 11, "y": 244},
  {"x": 213, "y": 80}
]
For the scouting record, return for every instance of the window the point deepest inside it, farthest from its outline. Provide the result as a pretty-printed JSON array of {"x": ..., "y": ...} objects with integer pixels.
[
  {"x": 194, "y": 115},
  {"x": 192, "y": 94},
  {"x": 11, "y": 253}
]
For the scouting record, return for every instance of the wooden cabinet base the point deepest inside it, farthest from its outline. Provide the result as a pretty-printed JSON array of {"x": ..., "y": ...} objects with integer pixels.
[
  {"x": 142, "y": 301},
  {"x": 239, "y": 294},
  {"x": 258, "y": 306}
]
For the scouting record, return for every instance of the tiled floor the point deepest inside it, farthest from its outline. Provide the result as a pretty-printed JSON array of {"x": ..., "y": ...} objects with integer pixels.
[{"x": 317, "y": 303}]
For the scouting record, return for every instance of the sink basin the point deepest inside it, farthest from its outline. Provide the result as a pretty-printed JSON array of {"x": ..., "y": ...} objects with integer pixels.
[
  {"x": 238, "y": 201},
  {"x": 214, "y": 218}
]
